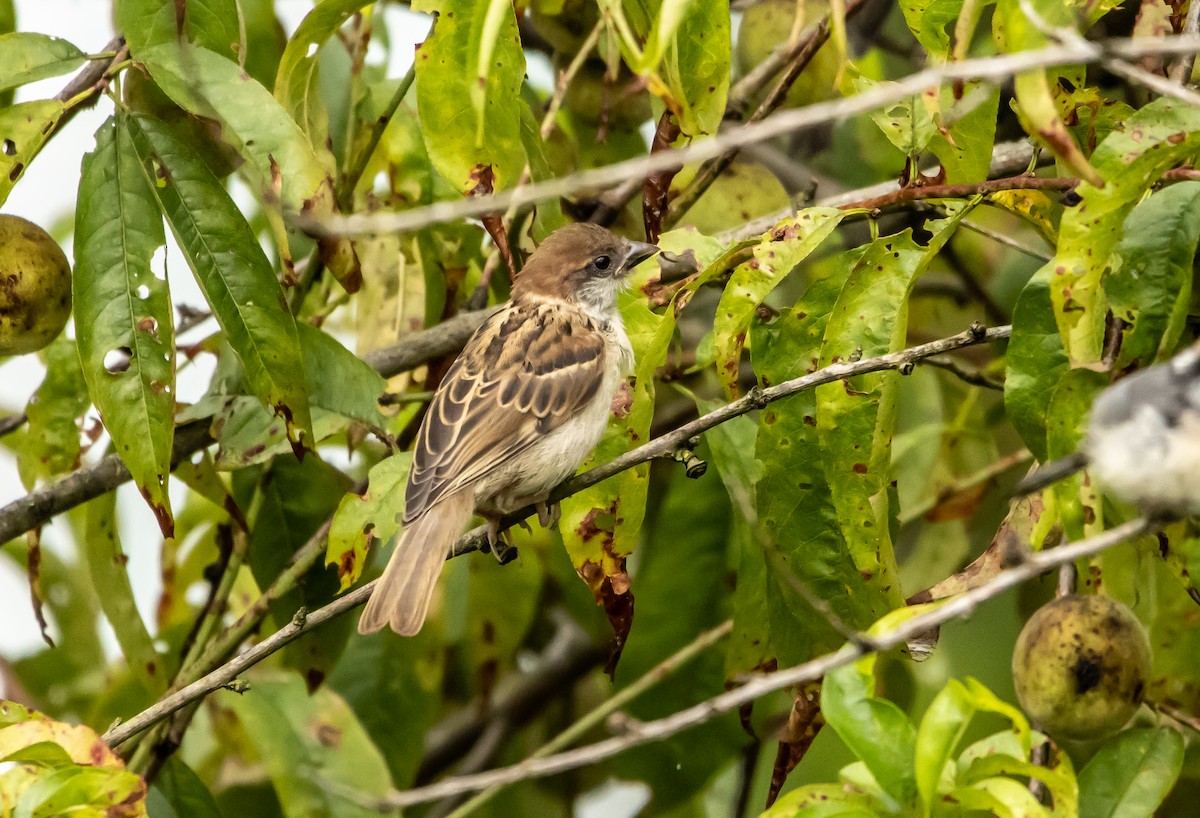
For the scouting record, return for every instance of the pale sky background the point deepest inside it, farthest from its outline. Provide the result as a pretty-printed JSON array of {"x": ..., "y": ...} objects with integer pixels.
[{"x": 46, "y": 195}]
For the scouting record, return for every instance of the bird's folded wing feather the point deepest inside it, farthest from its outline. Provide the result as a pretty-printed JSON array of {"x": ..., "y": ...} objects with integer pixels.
[{"x": 528, "y": 369}]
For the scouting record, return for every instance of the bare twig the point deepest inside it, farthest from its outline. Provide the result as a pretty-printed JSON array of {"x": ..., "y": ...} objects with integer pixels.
[
  {"x": 471, "y": 541},
  {"x": 646, "y": 732},
  {"x": 983, "y": 68},
  {"x": 1181, "y": 72},
  {"x": 1156, "y": 83},
  {"x": 12, "y": 422}
]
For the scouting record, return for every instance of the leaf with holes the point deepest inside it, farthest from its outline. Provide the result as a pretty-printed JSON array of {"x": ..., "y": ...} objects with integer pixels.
[
  {"x": 24, "y": 128},
  {"x": 124, "y": 325},
  {"x": 1131, "y": 160},
  {"x": 232, "y": 271},
  {"x": 781, "y": 249}
]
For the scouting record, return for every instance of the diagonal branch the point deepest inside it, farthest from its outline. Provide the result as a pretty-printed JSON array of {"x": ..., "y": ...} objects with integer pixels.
[
  {"x": 1035, "y": 565},
  {"x": 471, "y": 541},
  {"x": 994, "y": 69}
]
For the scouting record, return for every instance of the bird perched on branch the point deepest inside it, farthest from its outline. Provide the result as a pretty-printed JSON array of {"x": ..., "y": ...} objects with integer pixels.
[
  {"x": 1143, "y": 440},
  {"x": 519, "y": 410}
]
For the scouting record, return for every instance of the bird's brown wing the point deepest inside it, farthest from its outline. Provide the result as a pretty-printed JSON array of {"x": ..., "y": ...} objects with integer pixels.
[{"x": 527, "y": 370}]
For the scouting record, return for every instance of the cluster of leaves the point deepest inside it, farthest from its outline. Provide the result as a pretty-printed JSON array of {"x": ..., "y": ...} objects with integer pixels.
[{"x": 824, "y": 512}]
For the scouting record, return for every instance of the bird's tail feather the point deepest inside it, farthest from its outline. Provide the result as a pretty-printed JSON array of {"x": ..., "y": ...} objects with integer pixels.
[{"x": 401, "y": 597}]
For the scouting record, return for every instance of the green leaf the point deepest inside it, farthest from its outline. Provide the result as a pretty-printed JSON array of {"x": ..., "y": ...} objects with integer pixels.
[
  {"x": 290, "y": 502},
  {"x": 1131, "y": 774},
  {"x": 52, "y": 444},
  {"x": 286, "y": 168},
  {"x": 696, "y": 64},
  {"x": 338, "y": 380},
  {"x": 823, "y": 801},
  {"x": 232, "y": 270},
  {"x": 793, "y": 498},
  {"x": 776, "y": 255},
  {"x": 1130, "y": 160},
  {"x": 855, "y": 419},
  {"x": 875, "y": 730},
  {"x": 313, "y": 748},
  {"x": 927, "y": 20},
  {"x": 374, "y": 516},
  {"x": 179, "y": 793},
  {"x": 1058, "y": 776},
  {"x": 122, "y": 309},
  {"x": 296, "y": 82},
  {"x": 106, "y": 563},
  {"x": 212, "y": 24},
  {"x": 27, "y": 57},
  {"x": 41, "y": 753},
  {"x": 1066, "y": 425},
  {"x": 24, "y": 128},
  {"x": 1036, "y": 361},
  {"x": 945, "y": 723},
  {"x": 66, "y": 791},
  {"x": 966, "y": 151},
  {"x": 1151, "y": 287},
  {"x": 394, "y": 685},
  {"x": 472, "y": 131}
]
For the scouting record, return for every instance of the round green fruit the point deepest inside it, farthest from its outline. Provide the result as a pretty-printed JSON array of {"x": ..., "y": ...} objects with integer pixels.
[
  {"x": 35, "y": 287},
  {"x": 1080, "y": 666},
  {"x": 766, "y": 26}
]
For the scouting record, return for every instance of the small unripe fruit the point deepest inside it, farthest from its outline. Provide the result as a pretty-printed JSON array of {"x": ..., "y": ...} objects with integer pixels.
[
  {"x": 1080, "y": 666},
  {"x": 35, "y": 287}
]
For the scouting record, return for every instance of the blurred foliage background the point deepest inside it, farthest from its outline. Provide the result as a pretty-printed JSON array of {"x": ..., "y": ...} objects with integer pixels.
[{"x": 1060, "y": 200}]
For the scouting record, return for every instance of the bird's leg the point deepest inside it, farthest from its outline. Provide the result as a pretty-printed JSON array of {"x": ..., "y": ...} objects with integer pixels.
[
  {"x": 499, "y": 542},
  {"x": 548, "y": 513}
]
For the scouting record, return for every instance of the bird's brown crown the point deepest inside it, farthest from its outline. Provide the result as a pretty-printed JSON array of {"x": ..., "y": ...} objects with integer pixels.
[{"x": 569, "y": 259}]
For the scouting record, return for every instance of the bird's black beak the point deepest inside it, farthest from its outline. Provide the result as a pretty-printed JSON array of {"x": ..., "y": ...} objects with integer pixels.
[{"x": 638, "y": 252}]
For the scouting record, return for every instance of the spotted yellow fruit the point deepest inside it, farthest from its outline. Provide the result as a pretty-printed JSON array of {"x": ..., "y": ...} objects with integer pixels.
[
  {"x": 1080, "y": 666},
  {"x": 35, "y": 287}
]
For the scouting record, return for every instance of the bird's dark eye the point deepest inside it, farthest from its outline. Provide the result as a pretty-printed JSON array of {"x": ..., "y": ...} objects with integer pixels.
[{"x": 602, "y": 262}]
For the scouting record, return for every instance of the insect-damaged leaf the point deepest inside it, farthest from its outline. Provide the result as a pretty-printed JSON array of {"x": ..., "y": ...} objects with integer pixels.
[
  {"x": 124, "y": 325},
  {"x": 232, "y": 271}
]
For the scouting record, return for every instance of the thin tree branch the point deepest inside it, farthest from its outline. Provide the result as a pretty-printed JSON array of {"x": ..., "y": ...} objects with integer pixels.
[
  {"x": 471, "y": 541},
  {"x": 1035, "y": 565},
  {"x": 1181, "y": 72},
  {"x": 983, "y": 68}
]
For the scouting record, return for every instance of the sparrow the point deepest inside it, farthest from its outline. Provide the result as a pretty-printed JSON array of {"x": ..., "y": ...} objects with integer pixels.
[
  {"x": 517, "y": 412},
  {"x": 1143, "y": 440}
]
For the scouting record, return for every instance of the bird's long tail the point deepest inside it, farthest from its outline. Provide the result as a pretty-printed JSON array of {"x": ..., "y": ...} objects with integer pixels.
[{"x": 401, "y": 597}]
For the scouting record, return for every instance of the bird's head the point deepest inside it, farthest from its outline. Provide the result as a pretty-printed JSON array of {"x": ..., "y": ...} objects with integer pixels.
[{"x": 581, "y": 263}]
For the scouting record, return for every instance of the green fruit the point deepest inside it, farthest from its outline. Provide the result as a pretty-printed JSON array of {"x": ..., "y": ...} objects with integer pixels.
[
  {"x": 35, "y": 287},
  {"x": 766, "y": 25},
  {"x": 1080, "y": 666}
]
